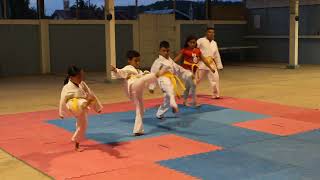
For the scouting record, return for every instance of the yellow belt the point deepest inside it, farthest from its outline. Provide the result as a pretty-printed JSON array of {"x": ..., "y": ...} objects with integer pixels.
[
  {"x": 209, "y": 59},
  {"x": 173, "y": 78},
  {"x": 75, "y": 104},
  {"x": 193, "y": 65}
]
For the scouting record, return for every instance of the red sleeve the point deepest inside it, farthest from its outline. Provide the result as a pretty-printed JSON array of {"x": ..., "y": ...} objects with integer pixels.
[
  {"x": 198, "y": 51},
  {"x": 182, "y": 51}
]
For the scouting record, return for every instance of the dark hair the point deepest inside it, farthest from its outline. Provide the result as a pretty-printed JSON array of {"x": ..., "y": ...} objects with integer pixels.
[
  {"x": 210, "y": 28},
  {"x": 132, "y": 54},
  {"x": 189, "y": 38},
  {"x": 72, "y": 71},
  {"x": 164, "y": 44}
]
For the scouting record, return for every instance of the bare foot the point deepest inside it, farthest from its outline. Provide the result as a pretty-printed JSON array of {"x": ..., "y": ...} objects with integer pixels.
[
  {"x": 185, "y": 103},
  {"x": 138, "y": 134},
  {"x": 175, "y": 110},
  {"x": 215, "y": 97},
  {"x": 195, "y": 105}
]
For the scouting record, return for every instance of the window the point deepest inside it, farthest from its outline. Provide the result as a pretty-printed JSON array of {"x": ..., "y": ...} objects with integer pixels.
[
  {"x": 189, "y": 10},
  {"x": 59, "y": 9},
  {"x": 257, "y": 21},
  {"x": 1, "y": 10},
  {"x": 126, "y": 9},
  {"x": 74, "y": 9},
  {"x": 130, "y": 9},
  {"x": 89, "y": 9},
  {"x": 156, "y": 7},
  {"x": 22, "y": 9}
]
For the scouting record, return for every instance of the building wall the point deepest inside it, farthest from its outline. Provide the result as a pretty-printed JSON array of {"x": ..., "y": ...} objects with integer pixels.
[
  {"x": 83, "y": 42},
  {"x": 124, "y": 42},
  {"x": 273, "y": 36},
  {"x": 19, "y": 49},
  {"x": 82, "y": 45},
  {"x": 227, "y": 35}
]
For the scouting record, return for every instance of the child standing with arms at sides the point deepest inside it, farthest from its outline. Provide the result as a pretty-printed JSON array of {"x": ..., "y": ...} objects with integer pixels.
[
  {"x": 134, "y": 83},
  {"x": 169, "y": 81},
  {"x": 210, "y": 51},
  {"x": 191, "y": 55},
  {"x": 77, "y": 98}
]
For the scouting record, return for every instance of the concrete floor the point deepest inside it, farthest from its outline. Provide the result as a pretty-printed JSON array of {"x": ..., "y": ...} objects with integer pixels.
[{"x": 266, "y": 82}]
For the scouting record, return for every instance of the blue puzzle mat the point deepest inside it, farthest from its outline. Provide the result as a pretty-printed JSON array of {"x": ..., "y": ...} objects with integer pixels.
[{"x": 246, "y": 154}]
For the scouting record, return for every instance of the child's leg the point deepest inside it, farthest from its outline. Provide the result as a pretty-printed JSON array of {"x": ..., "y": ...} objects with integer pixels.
[
  {"x": 186, "y": 92},
  {"x": 169, "y": 97},
  {"x": 214, "y": 81},
  {"x": 147, "y": 79},
  {"x": 164, "y": 107},
  {"x": 167, "y": 88},
  {"x": 201, "y": 73},
  {"x": 137, "y": 96},
  {"x": 93, "y": 102},
  {"x": 138, "y": 124},
  {"x": 81, "y": 126},
  {"x": 187, "y": 77},
  {"x": 193, "y": 93}
]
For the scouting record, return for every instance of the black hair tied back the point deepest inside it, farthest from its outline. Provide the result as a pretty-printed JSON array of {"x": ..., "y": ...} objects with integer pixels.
[{"x": 72, "y": 71}]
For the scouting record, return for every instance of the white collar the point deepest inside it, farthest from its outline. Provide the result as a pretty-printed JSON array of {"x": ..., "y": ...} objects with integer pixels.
[
  {"x": 134, "y": 68},
  {"x": 161, "y": 57}
]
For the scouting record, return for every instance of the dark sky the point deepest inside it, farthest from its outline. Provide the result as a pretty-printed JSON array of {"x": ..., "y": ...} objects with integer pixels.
[{"x": 52, "y": 5}]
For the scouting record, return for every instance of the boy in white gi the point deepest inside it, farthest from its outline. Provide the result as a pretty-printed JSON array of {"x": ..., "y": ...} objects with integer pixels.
[
  {"x": 134, "y": 83},
  {"x": 77, "y": 97},
  {"x": 209, "y": 49},
  {"x": 169, "y": 82}
]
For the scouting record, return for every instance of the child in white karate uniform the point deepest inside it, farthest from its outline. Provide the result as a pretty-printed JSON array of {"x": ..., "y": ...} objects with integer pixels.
[
  {"x": 77, "y": 98},
  {"x": 134, "y": 83},
  {"x": 209, "y": 49},
  {"x": 169, "y": 82}
]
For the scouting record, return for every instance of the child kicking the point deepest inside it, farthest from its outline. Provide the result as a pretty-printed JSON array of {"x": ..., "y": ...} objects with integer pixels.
[
  {"x": 134, "y": 83},
  {"x": 78, "y": 98}
]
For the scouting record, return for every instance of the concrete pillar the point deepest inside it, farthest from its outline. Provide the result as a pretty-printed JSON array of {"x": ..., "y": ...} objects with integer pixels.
[
  {"x": 5, "y": 7},
  {"x": 136, "y": 35},
  {"x": 178, "y": 36},
  {"x": 40, "y": 5},
  {"x": 110, "y": 38},
  {"x": 174, "y": 7},
  {"x": 44, "y": 46},
  {"x": 294, "y": 34}
]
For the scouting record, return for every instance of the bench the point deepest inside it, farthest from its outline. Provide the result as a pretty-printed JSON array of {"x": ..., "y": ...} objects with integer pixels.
[{"x": 239, "y": 50}]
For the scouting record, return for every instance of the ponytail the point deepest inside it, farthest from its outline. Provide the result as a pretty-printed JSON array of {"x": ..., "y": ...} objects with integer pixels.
[
  {"x": 72, "y": 71},
  {"x": 66, "y": 80}
]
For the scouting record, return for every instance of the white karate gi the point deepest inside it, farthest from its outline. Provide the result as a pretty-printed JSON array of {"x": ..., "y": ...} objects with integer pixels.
[
  {"x": 134, "y": 83},
  {"x": 165, "y": 83},
  {"x": 210, "y": 49},
  {"x": 77, "y": 99}
]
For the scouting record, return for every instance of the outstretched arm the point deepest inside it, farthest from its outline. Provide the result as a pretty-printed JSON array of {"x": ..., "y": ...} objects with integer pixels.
[
  {"x": 178, "y": 57},
  {"x": 119, "y": 73}
]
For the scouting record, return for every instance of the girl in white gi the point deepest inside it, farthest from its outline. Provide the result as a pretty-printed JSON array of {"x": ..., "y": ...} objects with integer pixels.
[
  {"x": 169, "y": 82},
  {"x": 191, "y": 55},
  {"x": 77, "y": 98},
  {"x": 134, "y": 83},
  {"x": 209, "y": 49}
]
